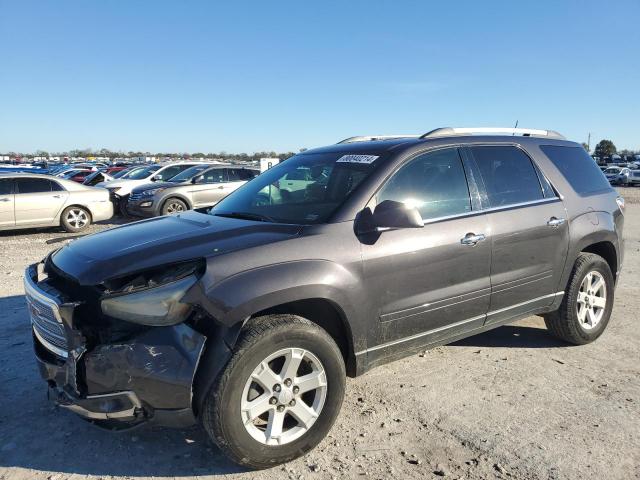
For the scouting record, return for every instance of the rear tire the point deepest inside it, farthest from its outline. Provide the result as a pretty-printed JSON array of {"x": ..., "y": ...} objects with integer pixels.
[
  {"x": 174, "y": 205},
  {"x": 587, "y": 304},
  {"x": 75, "y": 219},
  {"x": 261, "y": 413}
]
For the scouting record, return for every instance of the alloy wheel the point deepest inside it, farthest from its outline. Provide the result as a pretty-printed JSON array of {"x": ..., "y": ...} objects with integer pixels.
[
  {"x": 592, "y": 300},
  {"x": 175, "y": 207},
  {"x": 284, "y": 396},
  {"x": 77, "y": 218}
]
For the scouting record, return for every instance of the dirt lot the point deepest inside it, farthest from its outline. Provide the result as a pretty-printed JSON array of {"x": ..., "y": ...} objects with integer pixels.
[{"x": 511, "y": 403}]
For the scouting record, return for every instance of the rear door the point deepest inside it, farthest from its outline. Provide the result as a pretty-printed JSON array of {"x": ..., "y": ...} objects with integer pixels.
[
  {"x": 38, "y": 201},
  {"x": 530, "y": 234},
  {"x": 7, "y": 214},
  {"x": 429, "y": 283},
  {"x": 236, "y": 177}
]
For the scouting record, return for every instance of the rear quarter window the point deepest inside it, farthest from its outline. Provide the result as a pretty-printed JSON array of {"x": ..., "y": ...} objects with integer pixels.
[{"x": 578, "y": 168}]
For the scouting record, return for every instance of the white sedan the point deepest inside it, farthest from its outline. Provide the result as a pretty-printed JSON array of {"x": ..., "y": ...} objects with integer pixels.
[{"x": 29, "y": 201}]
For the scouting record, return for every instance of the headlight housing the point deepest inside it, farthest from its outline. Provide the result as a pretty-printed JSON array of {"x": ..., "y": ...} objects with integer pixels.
[{"x": 152, "y": 297}]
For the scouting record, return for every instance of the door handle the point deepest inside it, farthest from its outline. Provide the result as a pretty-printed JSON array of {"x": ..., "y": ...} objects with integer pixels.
[
  {"x": 57, "y": 196},
  {"x": 221, "y": 187},
  {"x": 5, "y": 199},
  {"x": 471, "y": 239},
  {"x": 555, "y": 222}
]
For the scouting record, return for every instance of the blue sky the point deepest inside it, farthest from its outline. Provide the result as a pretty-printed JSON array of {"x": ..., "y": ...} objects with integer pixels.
[{"x": 251, "y": 76}]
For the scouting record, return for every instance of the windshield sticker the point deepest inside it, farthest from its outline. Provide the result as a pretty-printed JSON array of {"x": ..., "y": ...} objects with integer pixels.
[{"x": 366, "y": 159}]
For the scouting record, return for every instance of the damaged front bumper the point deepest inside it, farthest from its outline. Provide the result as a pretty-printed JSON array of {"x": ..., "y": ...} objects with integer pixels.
[{"x": 147, "y": 376}]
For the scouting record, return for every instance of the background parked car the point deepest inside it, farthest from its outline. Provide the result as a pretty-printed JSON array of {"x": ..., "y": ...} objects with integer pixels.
[
  {"x": 200, "y": 186},
  {"x": 97, "y": 177},
  {"x": 634, "y": 177},
  {"x": 77, "y": 175},
  {"x": 121, "y": 189},
  {"x": 28, "y": 201},
  {"x": 617, "y": 175}
]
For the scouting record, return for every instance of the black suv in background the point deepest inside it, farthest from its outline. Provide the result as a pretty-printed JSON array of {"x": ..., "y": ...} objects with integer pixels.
[{"x": 249, "y": 318}]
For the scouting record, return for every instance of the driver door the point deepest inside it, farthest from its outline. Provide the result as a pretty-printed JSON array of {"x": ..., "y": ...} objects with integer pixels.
[{"x": 428, "y": 283}]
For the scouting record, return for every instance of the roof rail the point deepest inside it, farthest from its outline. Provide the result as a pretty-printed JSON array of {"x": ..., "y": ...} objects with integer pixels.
[
  {"x": 371, "y": 138},
  {"x": 525, "y": 132}
]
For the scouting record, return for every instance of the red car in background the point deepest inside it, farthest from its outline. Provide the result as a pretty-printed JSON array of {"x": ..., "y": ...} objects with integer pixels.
[
  {"x": 77, "y": 175},
  {"x": 112, "y": 170}
]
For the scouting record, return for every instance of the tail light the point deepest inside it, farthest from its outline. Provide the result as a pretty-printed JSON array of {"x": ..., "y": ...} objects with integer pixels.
[{"x": 620, "y": 202}]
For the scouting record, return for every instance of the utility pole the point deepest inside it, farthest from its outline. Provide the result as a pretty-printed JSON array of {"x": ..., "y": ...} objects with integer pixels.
[{"x": 589, "y": 142}]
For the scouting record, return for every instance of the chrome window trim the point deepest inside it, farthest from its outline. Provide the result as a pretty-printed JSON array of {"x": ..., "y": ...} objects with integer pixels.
[
  {"x": 462, "y": 322},
  {"x": 493, "y": 209}
]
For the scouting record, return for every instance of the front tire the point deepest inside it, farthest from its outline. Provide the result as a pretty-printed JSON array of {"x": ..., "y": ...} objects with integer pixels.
[
  {"x": 174, "y": 205},
  {"x": 587, "y": 304},
  {"x": 75, "y": 219},
  {"x": 279, "y": 395}
]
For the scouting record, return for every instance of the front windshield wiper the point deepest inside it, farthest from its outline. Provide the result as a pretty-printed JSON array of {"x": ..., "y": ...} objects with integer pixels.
[{"x": 247, "y": 216}]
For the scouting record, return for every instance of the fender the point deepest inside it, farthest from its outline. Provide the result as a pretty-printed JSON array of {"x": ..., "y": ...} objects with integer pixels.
[
  {"x": 239, "y": 296},
  {"x": 587, "y": 229}
]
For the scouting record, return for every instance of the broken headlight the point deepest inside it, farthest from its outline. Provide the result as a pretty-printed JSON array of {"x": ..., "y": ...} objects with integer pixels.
[{"x": 152, "y": 297}]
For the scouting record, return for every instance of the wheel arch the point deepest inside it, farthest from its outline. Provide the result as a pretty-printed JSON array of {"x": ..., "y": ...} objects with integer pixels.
[
  {"x": 607, "y": 250},
  {"x": 327, "y": 315}
]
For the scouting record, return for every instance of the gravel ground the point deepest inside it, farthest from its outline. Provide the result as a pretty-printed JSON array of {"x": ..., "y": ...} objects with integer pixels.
[{"x": 511, "y": 403}]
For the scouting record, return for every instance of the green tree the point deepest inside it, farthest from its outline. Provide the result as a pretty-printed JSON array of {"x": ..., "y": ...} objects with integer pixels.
[
  {"x": 585, "y": 146},
  {"x": 605, "y": 148}
]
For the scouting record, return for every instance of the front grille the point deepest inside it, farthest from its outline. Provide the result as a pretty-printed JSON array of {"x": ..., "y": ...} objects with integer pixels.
[
  {"x": 45, "y": 323},
  {"x": 135, "y": 196},
  {"x": 45, "y": 316}
]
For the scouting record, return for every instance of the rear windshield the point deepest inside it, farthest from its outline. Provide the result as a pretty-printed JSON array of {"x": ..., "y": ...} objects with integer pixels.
[
  {"x": 580, "y": 170},
  {"x": 304, "y": 189}
]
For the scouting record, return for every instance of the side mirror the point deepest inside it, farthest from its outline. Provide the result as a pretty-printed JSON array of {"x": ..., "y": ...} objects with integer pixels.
[
  {"x": 390, "y": 214},
  {"x": 197, "y": 179},
  {"x": 155, "y": 178}
]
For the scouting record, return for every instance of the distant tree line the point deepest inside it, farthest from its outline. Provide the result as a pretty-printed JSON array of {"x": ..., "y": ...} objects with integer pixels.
[
  {"x": 105, "y": 152},
  {"x": 606, "y": 149}
]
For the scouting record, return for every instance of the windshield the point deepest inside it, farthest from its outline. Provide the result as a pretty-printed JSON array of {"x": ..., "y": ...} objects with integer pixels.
[
  {"x": 124, "y": 173},
  {"x": 305, "y": 189},
  {"x": 188, "y": 174},
  {"x": 612, "y": 170},
  {"x": 142, "y": 173}
]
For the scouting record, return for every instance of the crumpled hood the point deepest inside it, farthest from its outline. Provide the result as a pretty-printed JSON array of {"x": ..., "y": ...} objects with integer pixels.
[{"x": 162, "y": 240}]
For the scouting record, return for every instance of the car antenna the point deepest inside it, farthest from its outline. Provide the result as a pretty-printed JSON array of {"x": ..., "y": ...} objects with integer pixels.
[{"x": 515, "y": 126}]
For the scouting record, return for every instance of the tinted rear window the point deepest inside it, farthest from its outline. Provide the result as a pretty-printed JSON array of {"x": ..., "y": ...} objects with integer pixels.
[
  {"x": 33, "y": 185},
  {"x": 6, "y": 186},
  {"x": 578, "y": 168},
  {"x": 508, "y": 174}
]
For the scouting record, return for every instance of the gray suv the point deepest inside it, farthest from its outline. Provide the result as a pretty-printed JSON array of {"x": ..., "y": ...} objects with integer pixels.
[
  {"x": 197, "y": 187},
  {"x": 249, "y": 318}
]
